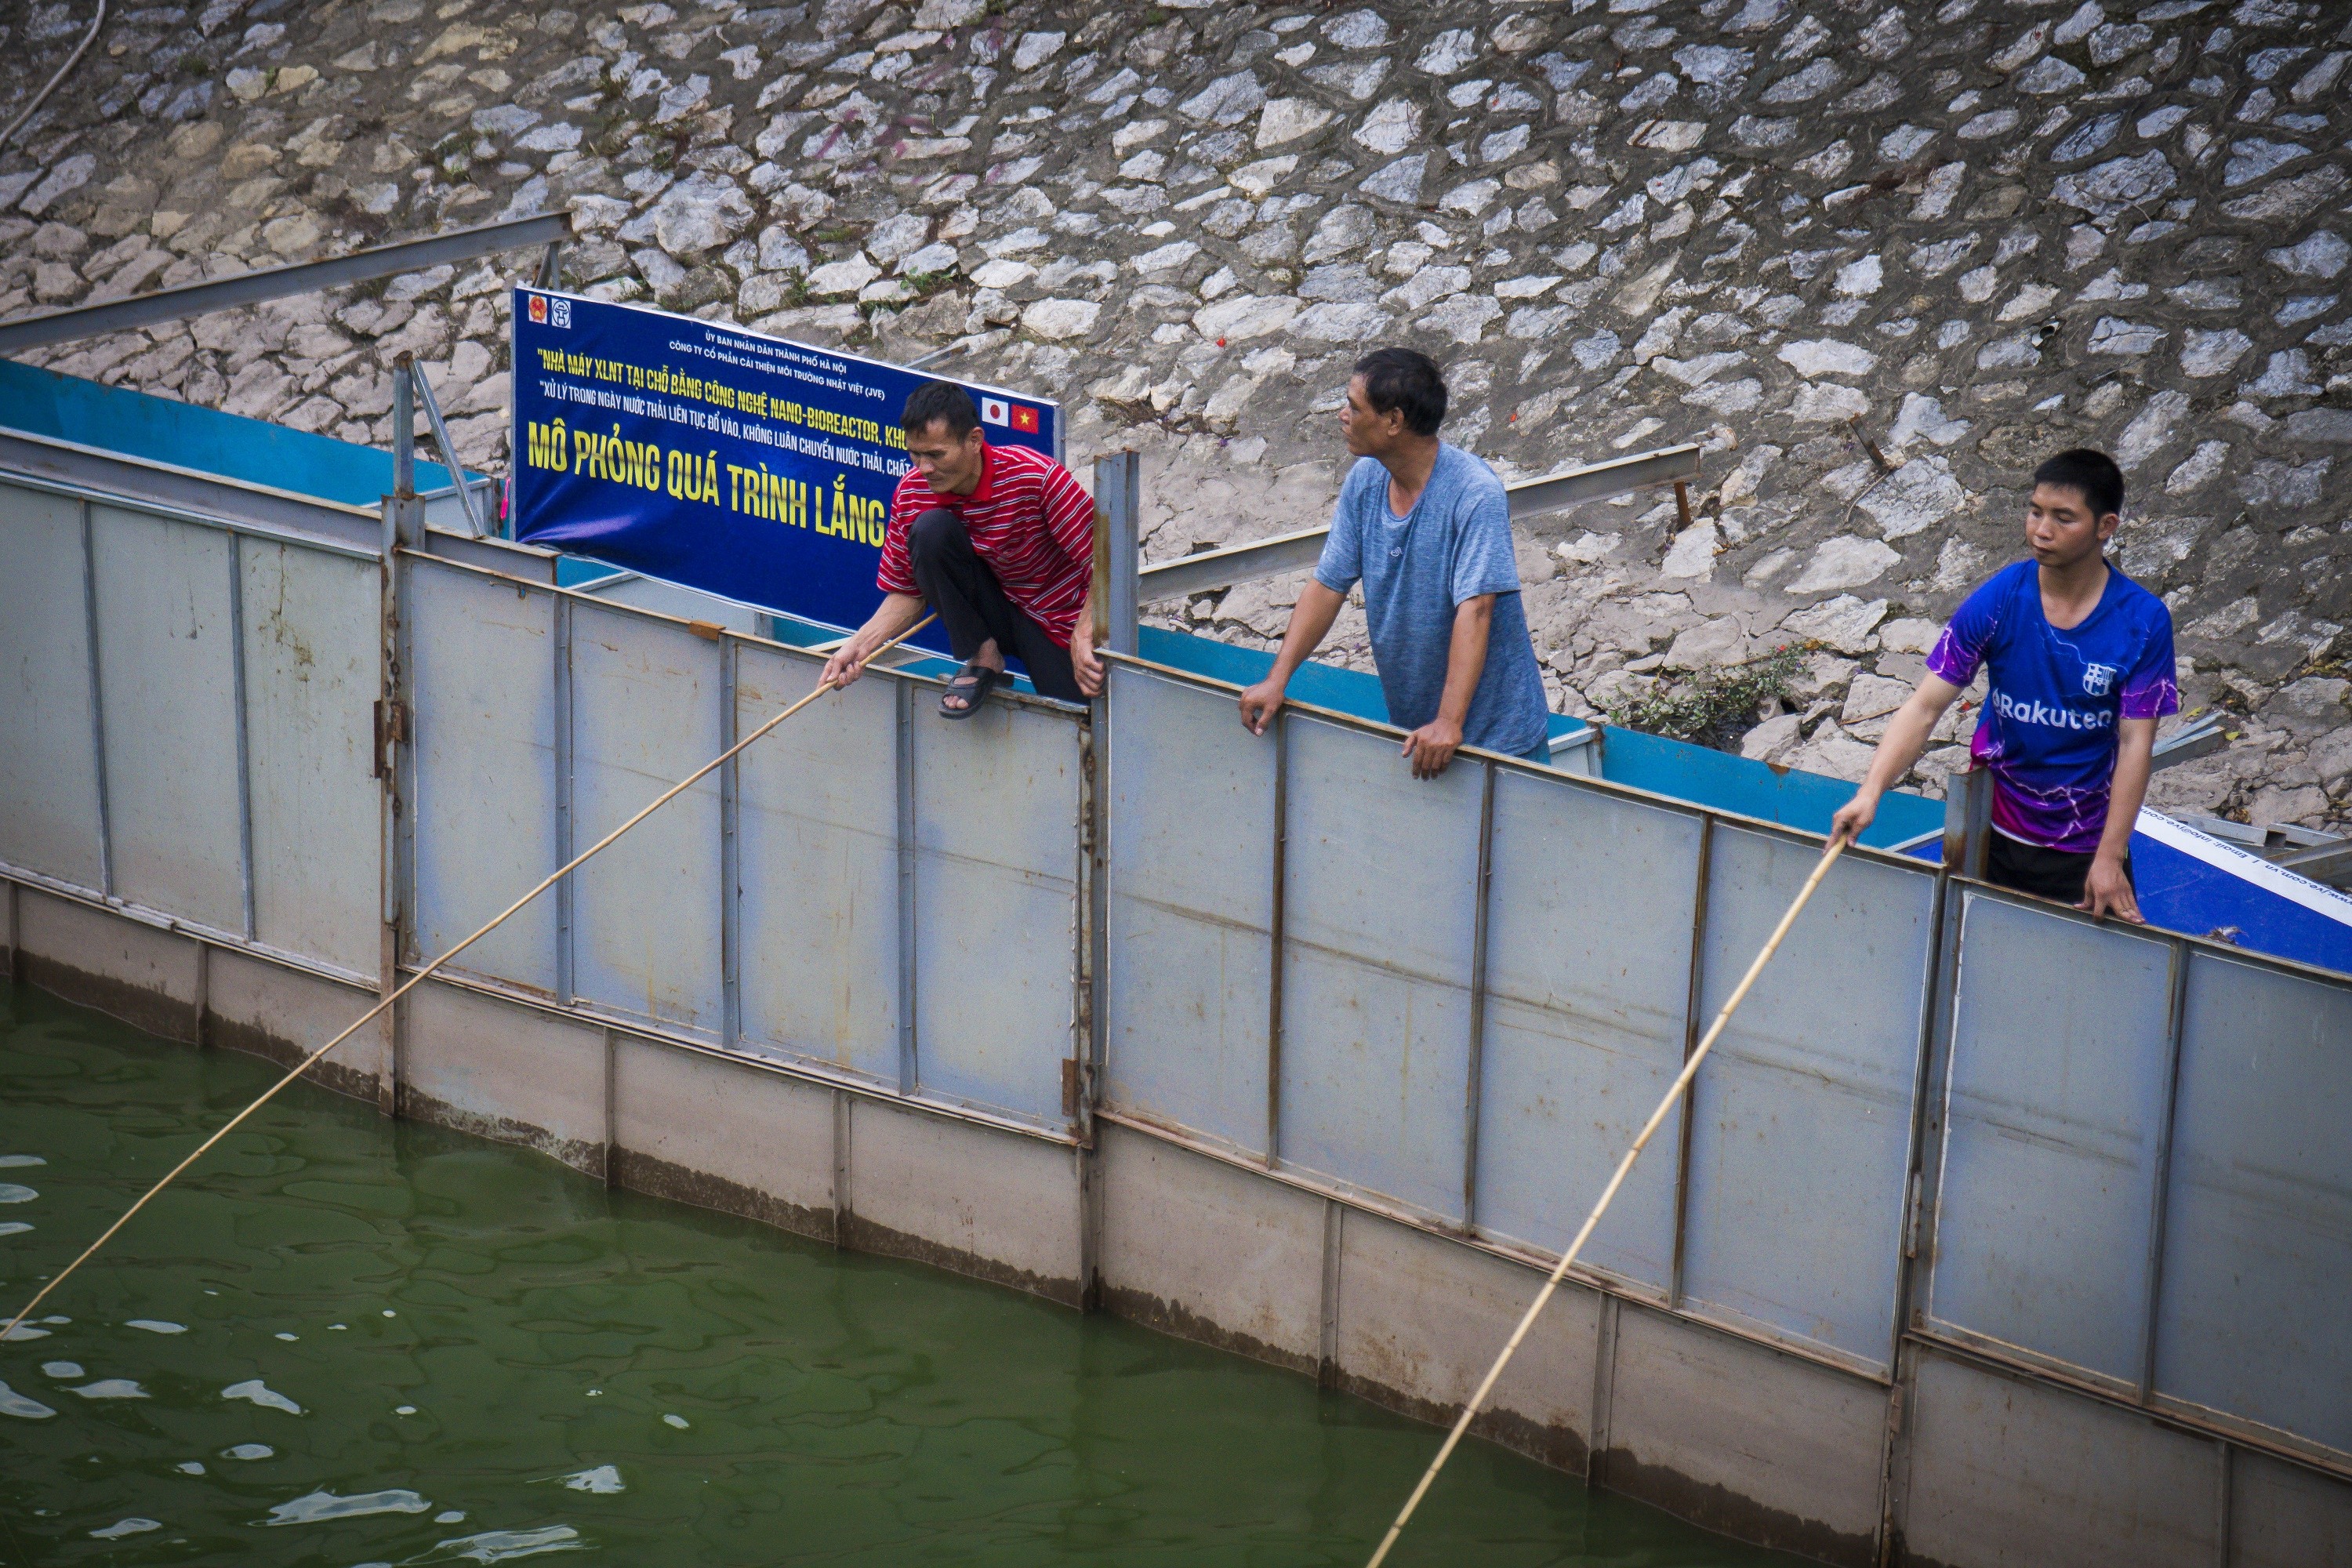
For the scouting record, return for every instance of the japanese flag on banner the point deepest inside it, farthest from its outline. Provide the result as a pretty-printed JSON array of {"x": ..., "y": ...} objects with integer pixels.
[
  {"x": 1024, "y": 420},
  {"x": 993, "y": 411}
]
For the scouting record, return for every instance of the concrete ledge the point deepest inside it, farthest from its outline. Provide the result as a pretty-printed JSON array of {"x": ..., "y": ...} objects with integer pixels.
[
  {"x": 2006, "y": 1470},
  {"x": 1420, "y": 1319},
  {"x": 999, "y": 1207},
  {"x": 1195, "y": 1248},
  {"x": 708, "y": 1133},
  {"x": 2000, "y": 1467},
  {"x": 271, "y": 1011},
  {"x": 148, "y": 978},
  {"x": 514, "y": 1075},
  {"x": 1763, "y": 1446},
  {"x": 2284, "y": 1516}
]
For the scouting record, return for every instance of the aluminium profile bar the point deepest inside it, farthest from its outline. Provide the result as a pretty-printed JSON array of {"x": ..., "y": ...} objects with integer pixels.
[
  {"x": 1212, "y": 569},
  {"x": 2200, "y": 737},
  {"x": 2330, "y": 863},
  {"x": 1595, "y": 481},
  {"x": 277, "y": 282},
  {"x": 467, "y": 501}
]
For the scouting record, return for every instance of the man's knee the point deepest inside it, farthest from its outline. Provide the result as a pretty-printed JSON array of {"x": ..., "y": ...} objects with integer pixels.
[{"x": 935, "y": 535}]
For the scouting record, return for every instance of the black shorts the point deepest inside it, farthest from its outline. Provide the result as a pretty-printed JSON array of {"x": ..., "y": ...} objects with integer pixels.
[{"x": 2046, "y": 873}]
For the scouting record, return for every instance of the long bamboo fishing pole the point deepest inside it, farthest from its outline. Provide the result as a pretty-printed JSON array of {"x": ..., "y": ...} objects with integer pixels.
[
  {"x": 306, "y": 1063},
  {"x": 1681, "y": 1082}
]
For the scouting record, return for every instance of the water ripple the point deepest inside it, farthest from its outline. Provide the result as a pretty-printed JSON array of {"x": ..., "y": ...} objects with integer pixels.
[
  {"x": 503, "y": 1545},
  {"x": 14, "y": 1403},
  {"x": 252, "y": 1388},
  {"x": 134, "y": 1525},
  {"x": 325, "y": 1505},
  {"x": 604, "y": 1480}
]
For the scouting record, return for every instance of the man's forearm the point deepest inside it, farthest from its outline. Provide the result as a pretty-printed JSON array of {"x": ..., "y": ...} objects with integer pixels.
[
  {"x": 894, "y": 614},
  {"x": 1310, "y": 619},
  {"x": 2135, "y": 759},
  {"x": 1465, "y": 657},
  {"x": 1899, "y": 748},
  {"x": 1907, "y": 734}
]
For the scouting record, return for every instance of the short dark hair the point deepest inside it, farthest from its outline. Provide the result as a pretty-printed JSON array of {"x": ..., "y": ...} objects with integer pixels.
[
  {"x": 940, "y": 403},
  {"x": 1401, "y": 379},
  {"x": 2091, "y": 475}
]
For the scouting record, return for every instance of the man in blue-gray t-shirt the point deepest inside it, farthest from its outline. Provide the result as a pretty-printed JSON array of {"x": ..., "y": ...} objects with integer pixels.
[{"x": 1427, "y": 529}]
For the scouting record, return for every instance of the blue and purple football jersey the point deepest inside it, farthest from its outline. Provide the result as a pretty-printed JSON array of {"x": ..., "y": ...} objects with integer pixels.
[{"x": 2048, "y": 730}]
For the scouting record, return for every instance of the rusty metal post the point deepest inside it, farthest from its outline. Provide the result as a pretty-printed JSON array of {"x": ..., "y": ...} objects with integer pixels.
[{"x": 1967, "y": 820}]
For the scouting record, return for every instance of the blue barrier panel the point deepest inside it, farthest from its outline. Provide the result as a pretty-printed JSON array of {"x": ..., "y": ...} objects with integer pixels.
[
  {"x": 1801, "y": 1117},
  {"x": 1190, "y": 965},
  {"x": 2253, "y": 1319},
  {"x": 50, "y": 818},
  {"x": 167, "y": 685},
  {"x": 996, "y": 861},
  {"x": 165, "y": 430},
  {"x": 1379, "y": 913},
  {"x": 818, "y": 904},
  {"x": 1588, "y": 981},
  {"x": 647, "y": 708},
  {"x": 310, "y": 677},
  {"x": 2054, "y": 1113},
  {"x": 482, "y": 656}
]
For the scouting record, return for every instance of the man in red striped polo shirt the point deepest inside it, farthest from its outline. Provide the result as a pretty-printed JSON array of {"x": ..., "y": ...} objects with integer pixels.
[{"x": 1000, "y": 542}]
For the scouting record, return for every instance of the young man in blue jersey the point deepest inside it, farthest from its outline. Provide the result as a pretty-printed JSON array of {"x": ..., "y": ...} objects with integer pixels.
[
  {"x": 2079, "y": 669},
  {"x": 1426, "y": 528}
]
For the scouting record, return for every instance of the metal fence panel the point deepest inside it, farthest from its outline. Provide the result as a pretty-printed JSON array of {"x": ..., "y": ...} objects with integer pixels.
[
  {"x": 310, "y": 680},
  {"x": 1801, "y": 1121},
  {"x": 2252, "y": 1316},
  {"x": 1377, "y": 922},
  {"x": 1191, "y": 819},
  {"x": 167, "y": 681},
  {"x": 996, "y": 836},
  {"x": 1587, "y": 983},
  {"x": 48, "y": 744},
  {"x": 819, "y": 850},
  {"x": 2054, "y": 1109},
  {"x": 482, "y": 654},
  {"x": 646, "y": 711}
]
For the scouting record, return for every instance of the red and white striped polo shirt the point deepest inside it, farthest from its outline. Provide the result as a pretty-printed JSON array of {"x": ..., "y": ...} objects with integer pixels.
[{"x": 1028, "y": 518}]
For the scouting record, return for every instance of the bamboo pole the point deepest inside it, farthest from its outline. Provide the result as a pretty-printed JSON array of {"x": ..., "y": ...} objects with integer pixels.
[
  {"x": 306, "y": 1063},
  {"x": 1657, "y": 1117}
]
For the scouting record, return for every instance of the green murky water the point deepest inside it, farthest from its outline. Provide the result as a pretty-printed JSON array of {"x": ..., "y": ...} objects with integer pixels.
[{"x": 350, "y": 1341}]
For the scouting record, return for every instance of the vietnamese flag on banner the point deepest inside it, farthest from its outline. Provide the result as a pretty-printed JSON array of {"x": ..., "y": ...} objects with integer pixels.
[{"x": 1024, "y": 420}]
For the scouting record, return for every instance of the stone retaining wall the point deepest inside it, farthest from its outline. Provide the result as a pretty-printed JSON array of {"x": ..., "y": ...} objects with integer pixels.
[{"x": 1879, "y": 257}]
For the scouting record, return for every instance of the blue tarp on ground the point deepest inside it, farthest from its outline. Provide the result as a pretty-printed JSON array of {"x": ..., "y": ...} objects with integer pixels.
[
  {"x": 2193, "y": 882},
  {"x": 162, "y": 430}
]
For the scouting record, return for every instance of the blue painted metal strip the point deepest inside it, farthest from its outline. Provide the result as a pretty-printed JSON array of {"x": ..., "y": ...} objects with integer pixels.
[{"x": 165, "y": 431}]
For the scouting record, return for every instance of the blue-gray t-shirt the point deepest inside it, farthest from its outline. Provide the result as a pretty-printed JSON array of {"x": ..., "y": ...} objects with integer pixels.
[{"x": 1416, "y": 572}]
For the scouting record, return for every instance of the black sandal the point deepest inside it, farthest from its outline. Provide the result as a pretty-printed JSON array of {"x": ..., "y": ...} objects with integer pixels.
[{"x": 973, "y": 682}]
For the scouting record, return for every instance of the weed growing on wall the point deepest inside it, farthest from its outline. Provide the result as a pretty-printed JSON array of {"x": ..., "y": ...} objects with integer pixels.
[{"x": 1714, "y": 708}]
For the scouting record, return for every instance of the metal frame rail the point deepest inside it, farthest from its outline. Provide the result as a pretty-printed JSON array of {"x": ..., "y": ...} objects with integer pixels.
[
  {"x": 551, "y": 229},
  {"x": 1212, "y": 569}
]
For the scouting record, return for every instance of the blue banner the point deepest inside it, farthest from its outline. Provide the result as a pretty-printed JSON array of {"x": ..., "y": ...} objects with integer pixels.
[{"x": 706, "y": 455}]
